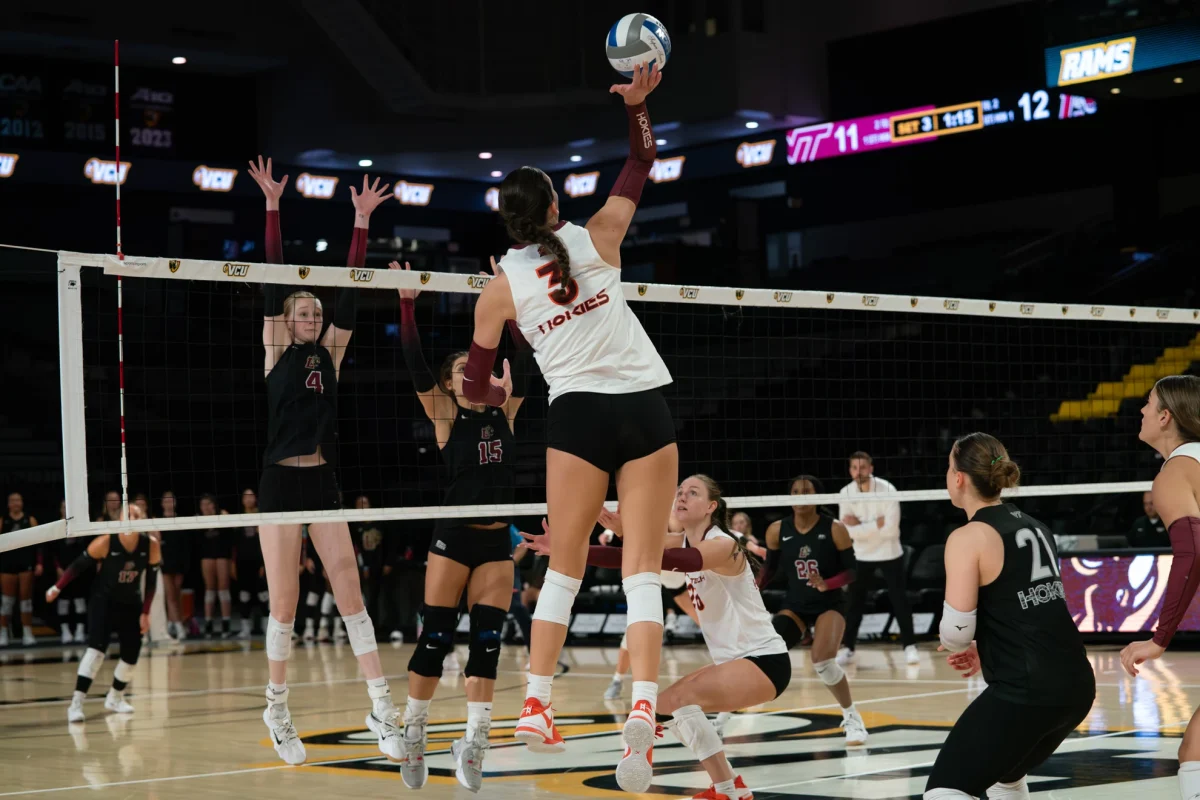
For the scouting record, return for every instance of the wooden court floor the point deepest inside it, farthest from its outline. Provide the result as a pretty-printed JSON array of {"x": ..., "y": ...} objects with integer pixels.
[{"x": 198, "y": 730}]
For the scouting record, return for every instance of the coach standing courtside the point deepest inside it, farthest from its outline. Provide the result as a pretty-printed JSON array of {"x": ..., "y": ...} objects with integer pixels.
[{"x": 874, "y": 527}]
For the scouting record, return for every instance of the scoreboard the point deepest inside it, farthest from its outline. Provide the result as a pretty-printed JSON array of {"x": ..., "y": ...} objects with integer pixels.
[{"x": 927, "y": 123}]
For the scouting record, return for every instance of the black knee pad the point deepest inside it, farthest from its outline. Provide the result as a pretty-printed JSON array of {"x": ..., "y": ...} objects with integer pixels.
[
  {"x": 437, "y": 639},
  {"x": 786, "y": 627},
  {"x": 486, "y": 624}
]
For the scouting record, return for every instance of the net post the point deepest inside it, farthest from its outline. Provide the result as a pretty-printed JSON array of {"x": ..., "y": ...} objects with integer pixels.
[{"x": 71, "y": 390}]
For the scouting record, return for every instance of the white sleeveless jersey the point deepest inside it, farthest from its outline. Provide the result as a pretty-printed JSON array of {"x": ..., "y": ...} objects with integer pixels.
[
  {"x": 1191, "y": 449},
  {"x": 594, "y": 343},
  {"x": 733, "y": 619}
]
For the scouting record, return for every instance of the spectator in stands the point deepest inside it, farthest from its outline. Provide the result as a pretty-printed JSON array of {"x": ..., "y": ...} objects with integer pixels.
[
  {"x": 17, "y": 569},
  {"x": 740, "y": 523},
  {"x": 112, "y": 507},
  {"x": 176, "y": 563},
  {"x": 874, "y": 527},
  {"x": 141, "y": 502},
  {"x": 377, "y": 559},
  {"x": 1148, "y": 530}
]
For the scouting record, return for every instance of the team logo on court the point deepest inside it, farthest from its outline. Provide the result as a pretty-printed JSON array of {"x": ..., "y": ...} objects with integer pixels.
[
  {"x": 950, "y": 305},
  {"x": 642, "y": 289},
  {"x": 781, "y": 297},
  {"x": 236, "y": 270},
  {"x": 870, "y": 300},
  {"x": 362, "y": 275},
  {"x": 789, "y": 752},
  {"x": 425, "y": 276},
  {"x": 313, "y": 362},
  {"x": 689, "y": 292},
  {"x": 304, "y": 272},
  {"x": 1097, "y": 311},
  {"x": 739, "y": 293},
  {"x": 173, "y": 265},
  {"x": 478, "y": 281}
]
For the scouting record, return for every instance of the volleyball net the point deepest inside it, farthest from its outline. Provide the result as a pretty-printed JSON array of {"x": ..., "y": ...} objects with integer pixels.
[{"x": 768, "y": 384}]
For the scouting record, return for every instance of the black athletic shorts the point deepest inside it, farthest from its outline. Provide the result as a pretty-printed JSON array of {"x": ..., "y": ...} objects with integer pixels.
[
  {"x": 777, "y": 667},
  {"x": 472, "y": 547},
  {"x": 23, "y": 559},
  {"x": 609, "y": 430},
  {"x": 215, "y": 543},
  {"x": 177, "y": 552},
  {"x": 298, "y": 489},
  {"x": 999, "y": 741},
  {"x": 808, "y": 614},
  {"x": 106, "y": 617}
]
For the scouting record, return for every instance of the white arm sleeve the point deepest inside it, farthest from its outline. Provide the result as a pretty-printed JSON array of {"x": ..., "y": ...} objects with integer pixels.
[{"x": 957, "y": 628}]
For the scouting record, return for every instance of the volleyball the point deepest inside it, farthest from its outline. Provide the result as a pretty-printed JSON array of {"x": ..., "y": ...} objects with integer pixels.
[{"x": 637, "y": 39}]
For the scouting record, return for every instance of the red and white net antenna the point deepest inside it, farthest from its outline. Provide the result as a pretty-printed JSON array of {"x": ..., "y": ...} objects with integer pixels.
[{"x": 121, "y": 256}]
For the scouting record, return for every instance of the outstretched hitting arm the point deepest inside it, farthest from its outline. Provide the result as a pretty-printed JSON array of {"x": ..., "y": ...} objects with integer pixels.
[
  {"x": 608, "y": 226},
  {"x": 276, "y": 336}
]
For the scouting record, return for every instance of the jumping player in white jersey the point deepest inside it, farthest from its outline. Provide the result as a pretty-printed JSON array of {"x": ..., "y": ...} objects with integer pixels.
[
  {"x": 562, "y": 285},
  {"x": 750, "y": 660},
  {"x": 1171, "y": 425}
]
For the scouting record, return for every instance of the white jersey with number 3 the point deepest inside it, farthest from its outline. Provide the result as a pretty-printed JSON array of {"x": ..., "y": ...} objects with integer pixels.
[
  {"x": 594, "y": 342},
  {"x": 733, "y": 619}
]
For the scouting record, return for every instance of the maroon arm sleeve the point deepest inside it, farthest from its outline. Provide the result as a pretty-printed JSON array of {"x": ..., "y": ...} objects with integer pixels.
[
  {"x": 76, "y": 568},
  {"x": 477, "y": 377},
  {"x": 358, "y": 248},
  {"x": 274, "y": 240},
  {"x": 676, "y": 559},
  {"x": 642, "y": 152},
  {"x": 1183, "y": 580},
  {"x": 841, "y": 579},
  {"x": 151, "y": 587}
]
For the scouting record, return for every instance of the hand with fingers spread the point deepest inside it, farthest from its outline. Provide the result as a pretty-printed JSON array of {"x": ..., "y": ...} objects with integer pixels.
[
  {"x": 645, "y": 79},
  {"x": 405, "y": 294},
  {"x": 539, "y": 544},
  {"x": 262, "y": 175},
  {"x": 367, "y": 200},
  {"x": 966, "y": 662}
]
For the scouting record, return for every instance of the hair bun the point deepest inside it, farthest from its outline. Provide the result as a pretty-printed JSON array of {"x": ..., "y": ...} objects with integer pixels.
[{"x": 1005, "y": 473}]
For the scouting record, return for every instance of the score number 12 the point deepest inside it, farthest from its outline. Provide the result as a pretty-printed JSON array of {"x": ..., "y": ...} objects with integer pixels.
[{"x": 1035, "y": 106}]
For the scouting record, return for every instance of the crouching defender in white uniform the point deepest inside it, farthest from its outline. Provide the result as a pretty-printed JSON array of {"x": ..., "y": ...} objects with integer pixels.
[
  {"x": 562, "y": 285},
  {"x": 750, "y": 660}
]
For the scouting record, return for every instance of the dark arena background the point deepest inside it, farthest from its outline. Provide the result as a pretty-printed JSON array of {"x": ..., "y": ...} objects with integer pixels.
[{"x": 871, "y": 227}]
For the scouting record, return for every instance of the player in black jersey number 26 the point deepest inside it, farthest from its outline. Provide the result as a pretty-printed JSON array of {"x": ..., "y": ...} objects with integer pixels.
[{"x": 1005, "y": 614}]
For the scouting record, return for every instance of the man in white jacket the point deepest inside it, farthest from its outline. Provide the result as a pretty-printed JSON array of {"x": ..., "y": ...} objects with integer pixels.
[{"x": 874, "y": 527}]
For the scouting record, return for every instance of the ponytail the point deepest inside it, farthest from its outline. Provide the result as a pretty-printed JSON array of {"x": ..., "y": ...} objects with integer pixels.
[
  {"x": 720, "y": 519},
  {"x": 526, "y": 196}
]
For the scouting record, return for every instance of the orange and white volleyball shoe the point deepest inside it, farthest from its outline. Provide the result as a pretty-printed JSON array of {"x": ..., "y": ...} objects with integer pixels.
[
  {"x": 536, "y": 728},
  {"x": 636, "y": 769}
]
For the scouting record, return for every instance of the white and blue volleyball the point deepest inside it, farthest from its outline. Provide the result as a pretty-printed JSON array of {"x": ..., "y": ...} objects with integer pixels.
[{"x": 637, "y": 39}]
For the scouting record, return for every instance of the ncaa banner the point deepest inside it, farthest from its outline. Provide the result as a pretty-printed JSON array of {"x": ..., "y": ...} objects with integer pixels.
[{"x": 1117, "y": 55}]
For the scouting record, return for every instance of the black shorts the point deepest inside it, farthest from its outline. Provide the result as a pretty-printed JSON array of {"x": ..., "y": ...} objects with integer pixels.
[
  {"x": 669, "y": 596},
  {"x": 999, "y": 741},
  {"x": 106, "y": 617},
  {"x": 808, "y": 614},
  {"x": 215, "y": 543},
  {"x": 177, "y": 552},
  {"x": 298, "y": 489},
  {"x": 23, "y": 559},
  {"x": 609, "y": 430},
  {"x": 777, "y": 667},
  {"x": 471, "y": 547}
]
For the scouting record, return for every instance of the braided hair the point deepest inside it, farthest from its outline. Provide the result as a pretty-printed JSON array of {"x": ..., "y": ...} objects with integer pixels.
[{"x": 526, "y": 195}]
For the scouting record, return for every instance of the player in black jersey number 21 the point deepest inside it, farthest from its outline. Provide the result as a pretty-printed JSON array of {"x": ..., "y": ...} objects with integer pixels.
[{"x": 1005, "y": 614}]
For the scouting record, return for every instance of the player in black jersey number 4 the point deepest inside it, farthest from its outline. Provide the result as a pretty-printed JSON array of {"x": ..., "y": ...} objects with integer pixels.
[
  {"x": 478, "y": 445},
  {"x": 817, "y": 557},
  {"x": 1005, "y": 614},
  {"x": 117, "y": 604}
]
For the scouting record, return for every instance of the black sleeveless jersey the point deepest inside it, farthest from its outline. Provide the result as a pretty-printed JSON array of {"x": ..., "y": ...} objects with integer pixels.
[
  {"x": 802, "y": 554},
  {"x": 302, "y": 404},
  {"x": 1030, "y": 650},
  {"x": 480, "y": 455},
  {"x": 9, "y": 525},
  {"x": 120, "y": 579}
]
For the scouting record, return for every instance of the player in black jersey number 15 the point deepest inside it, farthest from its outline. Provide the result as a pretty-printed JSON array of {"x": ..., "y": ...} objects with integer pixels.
[{"x": 1005, "y": 615}]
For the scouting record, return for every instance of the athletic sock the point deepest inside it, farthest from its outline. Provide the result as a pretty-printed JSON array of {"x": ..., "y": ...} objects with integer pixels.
[
  {"x": 726, "y": 788},
  {"x": 645, "y": 690},
  {"x": 539, "y": 686},
  {"x": 479, "y": 716},
  {"x": 416, "y": 708}
]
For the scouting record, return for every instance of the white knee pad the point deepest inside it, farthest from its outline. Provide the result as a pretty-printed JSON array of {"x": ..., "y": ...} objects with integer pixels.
[
  {"x": 243, "y": 596},
  {"x": 311, "y": 599},
  {"x": 946, "y": 794},
  {"x": 1189, "y": 779},
  {"x": 7, "y": 603},
  {"x": 210, "y": 596},
  {"x": 123, "y": 672},
  {"x": 643, "y": 596},
  {"x": 830, "y": 672},
  {"x": 278, "y": 639},
  {"x": 224, "y": 596},
  {"x": 361, "y": 633},
  {"x": 89, "y": 665},
  {"x": 64, "y": 606},
  {"x": 264, "y": 596},
  {"x": 557, "y": 597},
  {"x": 696, "y": 732},
  {"x": 27, "y": 606},
  {"x": 80, "y": 605},
  {"x": 327, "y": 604}
]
